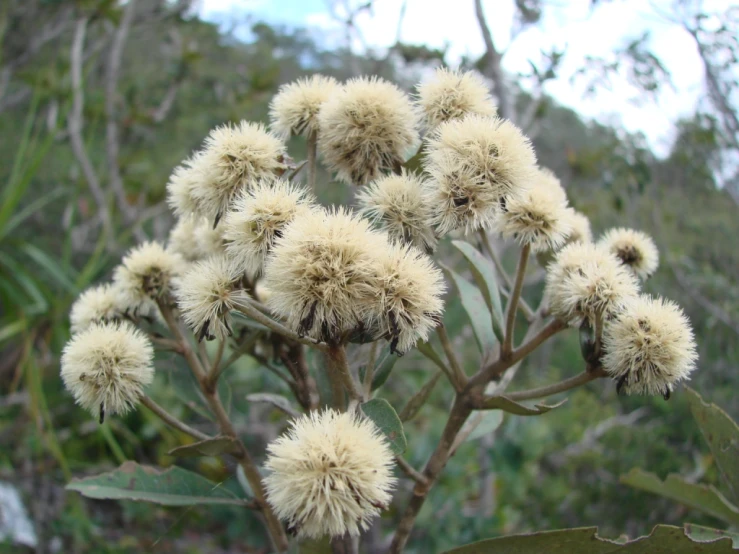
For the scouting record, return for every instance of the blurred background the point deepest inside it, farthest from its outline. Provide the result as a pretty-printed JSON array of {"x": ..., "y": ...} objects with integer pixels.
[{"x": 633, "y": 104}]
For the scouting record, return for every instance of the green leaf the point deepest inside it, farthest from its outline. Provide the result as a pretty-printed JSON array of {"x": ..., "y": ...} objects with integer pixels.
[
  {"x": 383, "y": 368},
  {"x": 279, "y": 402},
  {"x": 474, "y": 304},
  {"x": 722, "y": 434},
  {"x": 703, "y": 497},
  {"x": 664, "y": 539},
  {"x": 706, "y": 534},
  {"x": 315, "y": 546},
  {"x": 483, "y": 423},
  {"x": 209, "y": 447},
  {"x": 383, "y": 415},
  {"x": 417, "y": 401},
  {"x": 484, "y": 274},
  {"x": 427, "y": 350},
  {"x": 512, "y": 407},
  {"x": 171, "y": 487}
]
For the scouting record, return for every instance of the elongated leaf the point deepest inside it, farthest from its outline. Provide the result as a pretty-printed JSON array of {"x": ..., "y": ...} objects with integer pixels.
[
  {"x": 512, "y": 407},
  {"x": 474, "y": 304},
  {"x": 417, "y": 401},
  {"x": 171, "y": 487},
  {"x": 703, "y": 497},
  {"x": 427, "y": 350},
  {"x": 279, "y": 402},
  {"x": 722, "y": 434},
  {"x": 664, "y": 539},
  {"x": 210, "y": 447},
  {"x": 383, "y": 368},
  {"x": 56, "y": 271},
  {"x": 482, "y": 423},
  {"x": 483, "y": 271},
  {"x": 706, "y": 534},
  {"x": 383, "y": 415}
]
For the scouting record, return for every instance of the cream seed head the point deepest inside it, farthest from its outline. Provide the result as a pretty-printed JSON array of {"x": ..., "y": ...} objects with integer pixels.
[
  {"x": 237, "y": 157},
  {"x": 649, "y": 347},
  {"x": 321, "y": 270},
  {"x": 452, "y": 95},
  {"x": 635, "y": 249},
  {"x": 294, "y": 109},
  {"x": 206, "y": 295},
  {"x": 106, "y": 367},
  {"x": 146, "y": 273},
  {"x": 98, "y": 304},
  {"x": 368, "y": 126},
  {"x": 185, "y": 180},
  {"x": 258, "y": 218},
  {"x": 536, "y": 216},
  {"x": 586, "y": 282},
  {"x": 209, "y": 240},
  {"x": 579, "y": 227},
  {"x": 473, "y": 164},
  {"x": 399, "y": 205},
  {"x": 408, "y": 302},
  {"x": 330, "y": 474},
  {"x": 183, "y": 238}
]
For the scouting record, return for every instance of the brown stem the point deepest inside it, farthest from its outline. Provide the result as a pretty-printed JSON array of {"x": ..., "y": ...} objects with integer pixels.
[
  {"x": 458, "y": 376},
  {"x": 561, "y": 386},
  {"x": 247, "y": 309},
  {"x": 512, "y": 307},
  {"x": 312, "y": 165},
  {"x": 305, "y": 386},
  {"x": 410, "y": 471},
  {"x": 339, "y": 368},
  {"x": 172, "y": 421},
  {"x": 369, "y": 372}
]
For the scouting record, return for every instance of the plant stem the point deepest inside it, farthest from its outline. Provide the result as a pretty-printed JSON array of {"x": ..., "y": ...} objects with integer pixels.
[
  {"x": 458, "y": 376},
  {"x": 512, "y": 307},
  {"x": 369, "y": 373},
  {"x": 172, "y": 421},
  {"x": 248, "y": 310},
  {"x": 410, "y": 471},
  {"x": 340, "y": 368},
  {"x": 312, "y": 155},
  {"x": 561, "y": 386}
]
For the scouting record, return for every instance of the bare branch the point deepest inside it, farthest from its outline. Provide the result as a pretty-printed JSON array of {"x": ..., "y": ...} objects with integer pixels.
[{"x": 494, "y": 68}]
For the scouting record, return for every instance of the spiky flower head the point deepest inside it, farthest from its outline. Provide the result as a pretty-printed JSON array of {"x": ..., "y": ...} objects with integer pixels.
[
  {"x": 330, "y": 474},
  {"x": 209, "y": 239},
  {"x": 473, "y": 164},
  {"x": 185, "y": 180},
  {"x": 146, "y": 274},
  {"x": 452, "y": 95},
  {"x": 97, "y": 304},
  {"x": 398, "y": 204},
  {"x": 107, "y": 366},
  {"x": 321, "y": 270},
  {"x": 635, "y": 249},
  {"x": 408, "y": 300},
  {"x": 649, "y": 347},
  {"x": 367, "y": 127},
  {"x": 183, "y": 238},
  {"x": 579, "y": 227},
  {"x": 294, "y": 109},
  {"x": 586, "y": 281},
  {"x": 206, "y": 295},
  {"x": 237, "y": 156},
  {"x": 536, "y": 216},
  {"x": 257, "y": 218}
]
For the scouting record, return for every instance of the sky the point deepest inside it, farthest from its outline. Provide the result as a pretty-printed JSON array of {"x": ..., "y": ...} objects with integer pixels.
[{"x": 569, "y": 24}]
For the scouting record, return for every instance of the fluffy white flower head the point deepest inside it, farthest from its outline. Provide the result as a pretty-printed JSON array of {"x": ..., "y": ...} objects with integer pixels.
[
  {"x": 237, "y": 157},
  {"x": 294, "y": 109},
  {"x": 635, "y": 249},
  {"x": 183, "y": 238},
  {"x": 206, "y": 295},
  {"x": 649, "y": 347},
  {"x": 185, "y": 180},
  {"x": 579, "y": 227},
  {"x": 106, "y": 368},
  {"x": 145, "y": 274},
  {"x": 367, "y": 127},
  {"x": 452, "y": 95},
  {"x": 257, "y": 218},
  {"x": 96, "y": 305},
  {"x": 398, "y": 204},
  {"x": 330, "y": 474}
]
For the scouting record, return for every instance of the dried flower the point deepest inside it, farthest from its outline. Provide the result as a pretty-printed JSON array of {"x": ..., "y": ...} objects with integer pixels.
[
  {"x": 366, "y": 127},
  {"x": 330, "y": 474},
  {"x": 96, "y": 305},
  {"x": 206, "y": 295},
  {"x": 649, "y": 347},
  {"x": 321, "y": 270},
  {"x": 452, "y": 95},
  {"x": 257, "y": 218},
  {"x": 237, "y": 157},
  {"x": 586, "y": 281},
  {"x": 635, "y": 249},
  {"x": 183, "y": 238},
  {"x": 145, "y": 274},
  {"x": 294, "y": 109},
  {"x": 183, "y": 183},
  {"x": 209, "y": 240},
  {"x": 408, "y": 303},
  {"x": 579, "y": 227},
  {"x": 107, "y": 366},
  {"x": 473, "y": 164},
  {"x": 398, "y": 204}
]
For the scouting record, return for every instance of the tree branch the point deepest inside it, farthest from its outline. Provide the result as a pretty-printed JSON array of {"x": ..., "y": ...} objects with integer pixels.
[{"x": 494, "y": 68}]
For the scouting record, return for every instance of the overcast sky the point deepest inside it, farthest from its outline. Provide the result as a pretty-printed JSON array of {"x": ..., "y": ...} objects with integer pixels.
[{"x": 437, "y": 23}]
